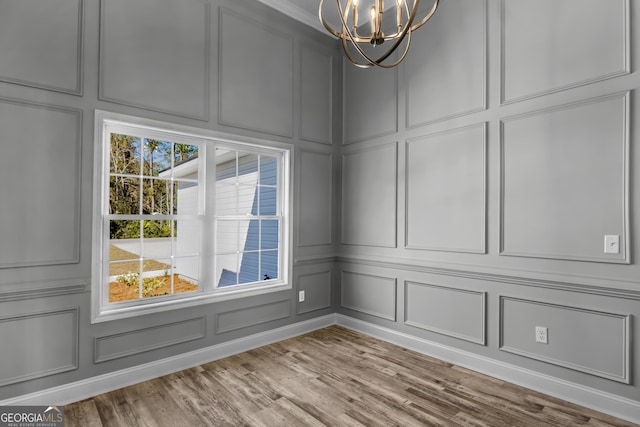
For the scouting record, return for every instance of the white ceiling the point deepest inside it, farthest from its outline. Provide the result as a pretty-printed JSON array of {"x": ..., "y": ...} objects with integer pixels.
[{"x": 305, "y": 11}]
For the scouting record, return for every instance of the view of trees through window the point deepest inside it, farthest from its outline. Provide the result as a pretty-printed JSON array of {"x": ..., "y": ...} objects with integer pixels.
[
  {"x": 155, "y": 227},
  {"x": 145, "y": 218}
]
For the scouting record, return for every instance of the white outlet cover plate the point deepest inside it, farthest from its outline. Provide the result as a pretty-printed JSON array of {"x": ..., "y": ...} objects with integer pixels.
[
  {"x": 541, "y": 335},
  {"x": 611, "y": 244}
]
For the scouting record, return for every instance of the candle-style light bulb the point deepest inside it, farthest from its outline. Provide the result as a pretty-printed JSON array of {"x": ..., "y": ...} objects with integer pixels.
[
  {"x": 374, "y": 15},
  {"x": 399, "y": 14},
  {"x": 355, "y": 15}
]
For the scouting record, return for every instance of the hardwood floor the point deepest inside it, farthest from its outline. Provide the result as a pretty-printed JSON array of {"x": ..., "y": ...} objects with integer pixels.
[{"x": 333, "y": 377}]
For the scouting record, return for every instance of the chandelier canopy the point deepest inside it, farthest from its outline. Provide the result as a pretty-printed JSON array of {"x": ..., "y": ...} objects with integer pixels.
[{"x": 356, "y": 39}]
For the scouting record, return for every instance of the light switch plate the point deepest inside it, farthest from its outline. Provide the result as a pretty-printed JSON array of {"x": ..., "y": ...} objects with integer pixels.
[{"x": 611, "y": 244}]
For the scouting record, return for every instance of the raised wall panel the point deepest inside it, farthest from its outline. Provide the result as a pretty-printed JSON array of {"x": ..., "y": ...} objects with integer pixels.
[
  {"x": 41, "y": 44},
  {"x": 589, "y": 341},
  {"x": 369, "y": 294},
  {"x": 458, "y": 313},
  {"x": 38, "y": 345},
  {"x": 446, "y": 191},
  {"x": 582, "y": 43},
  {"x": 316, "y": 96},
  {"x": 243, "y": 318},
  {"x": 315, "y": 206},
  {"x": 317, "y": 289},
  {"x": 369, "y": 187},
  {"x": 446, "y": 70},
  {"x": 155, "y": 54},
  {"x": 142, "y": 340},
  {"x": 565, "y": 181},
  {"x": 370, "y": 99},
  {"x": 40, "y": 194},
  {"x": 256, "y": 75}
]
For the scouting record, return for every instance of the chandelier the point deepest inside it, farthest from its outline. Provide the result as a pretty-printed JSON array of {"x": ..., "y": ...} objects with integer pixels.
[{"x": 351, "y": 34}]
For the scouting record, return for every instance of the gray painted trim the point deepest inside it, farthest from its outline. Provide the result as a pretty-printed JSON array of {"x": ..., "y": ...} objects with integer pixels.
[
  {"x": 329, "y": 240},
  {"x": 98, "y": 358},
  {"x": 89, "y": 387},
  {"x": 75, "y": 352},
  {"x": 626, "y": 350},
  {"x": 253, "y": 321},
  {"x": 592, "y": 398},
  {"x": 79, "y": 89},
  {"x": 476, "y": 109},
  {"x": 393, "y": 281},
  {"x": 316, "y": 307},
  {"x": 331, "y": 97},
  {"x": 626, "y": 203},
  {"x": 205, "y": 89},
  {"x": 482, "y": 340},
  {"x": 289, "y": 38},
  {"x": 33, "y": 290},
  {"x": 345, "y": 141},
  {"x": 483, "y": 246},
  {"x": 78, "y": 162},
  {"x": 625, "y": 70},
  {"x": 573, "y": 286}
]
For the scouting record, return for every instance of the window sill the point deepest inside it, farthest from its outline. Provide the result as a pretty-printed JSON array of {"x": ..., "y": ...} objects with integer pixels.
[{"x": 163, "y": 305}]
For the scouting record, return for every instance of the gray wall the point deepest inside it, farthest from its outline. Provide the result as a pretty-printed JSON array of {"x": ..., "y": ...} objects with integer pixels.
[
  {"x": 230, "y": 66},
  {"x": 480, "y": 177}
]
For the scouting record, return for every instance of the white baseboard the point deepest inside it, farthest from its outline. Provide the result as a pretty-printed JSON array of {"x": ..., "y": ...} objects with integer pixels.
[
  {"x": 94, "y": 386},
  {"x": 607, "y": 403},
  {"x": 598, "y": 400}
]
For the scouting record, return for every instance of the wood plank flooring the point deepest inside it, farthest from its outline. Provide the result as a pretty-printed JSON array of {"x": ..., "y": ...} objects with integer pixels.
[{"x": 330, "y": 377}]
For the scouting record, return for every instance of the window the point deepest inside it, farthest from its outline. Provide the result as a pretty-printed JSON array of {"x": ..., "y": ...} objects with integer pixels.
[{"x": 185, "y": 216}]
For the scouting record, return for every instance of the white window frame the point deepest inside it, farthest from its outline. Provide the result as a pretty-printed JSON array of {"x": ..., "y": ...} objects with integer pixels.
[{"x": 106, "y": 122}]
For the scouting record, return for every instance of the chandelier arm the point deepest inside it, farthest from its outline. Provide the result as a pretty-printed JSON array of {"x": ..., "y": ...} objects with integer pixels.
[
  {"x": 427, "y": 16},
  {"x": 406, "y": 49},
  {"x": 325, "y": 23}
]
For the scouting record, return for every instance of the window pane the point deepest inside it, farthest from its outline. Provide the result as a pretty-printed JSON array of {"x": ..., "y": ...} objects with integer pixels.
[
  {"x": 187, "y": 237},
  {"x": 184, "y": 153},
  {"x": 226, "y": 198},
  {"x": 227, "y": 237},
  {"x": 123, "y": 229},
  {"x": 124, "y": 195},
  {"x": 269, "y": 234},
  {"x": 248, "y": 234},
  {"x": 269, "y": 265},
  {"x": 248, "y": 164},
  {"x": 156, "y": 197},
  {"x": 247, "y": 198},
  {"x": 249, "y": 267},
  {"x": 124, "y": 280},
  {"x": 185, "y": 198},
  {"x": 124, "y": 157},
  {"x": 268, "y": 170},
  {"x": 226, "y": 270},
  {"x": 156, "y": 157},
  {"x": 187, "y": 272},
  {"x": 268, "y": 201}
]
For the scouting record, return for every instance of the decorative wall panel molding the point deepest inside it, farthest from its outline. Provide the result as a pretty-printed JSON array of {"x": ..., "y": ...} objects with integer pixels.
[
  {"x": 454, "y": 312},
  {"x": 316, "y": 96},
  {"x": 369, "y": 294},
  {"x": 370, "y": 100},
  {"x": 582, "y": 285},
  {"x": 243, "y": 318},
  {"x": 448, "y": 66},
  {"x": 446, "y": 191},
  {"x": 255, "y": 91},
  {"x": 53, "y": 333},
  {"x": 44, "y": 289},
  {"x": 40, "y": 169},
  {"x": 128, "y": 343},
  {"x": 369, "y": 196},
  {"x": 155, "y": 55},
  {"x": 589, "y": 341},
  {"x": 317, "y": 288},
  {"x": 583, "y": 43},
  {"x": 315, "y": 199},
  {"x": 41, "y": 44},
  {"x": 560, "y": 167}
]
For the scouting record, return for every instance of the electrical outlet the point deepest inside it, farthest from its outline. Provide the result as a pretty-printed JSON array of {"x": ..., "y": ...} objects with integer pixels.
[
  {"x": 611, "y": 244},
  {"x": 301, "y": 296},
  {"x": 541, "y": 335}
]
